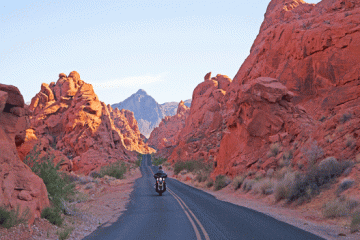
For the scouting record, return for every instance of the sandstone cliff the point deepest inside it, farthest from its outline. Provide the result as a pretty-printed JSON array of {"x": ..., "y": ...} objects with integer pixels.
[
  {"x": 165, "y": 137},
  {"x": 69, "y": 121},
  {"x": 19, "y": 186}
]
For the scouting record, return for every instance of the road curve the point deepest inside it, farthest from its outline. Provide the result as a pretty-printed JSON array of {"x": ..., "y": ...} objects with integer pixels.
[{"x": 183, "y": 212}]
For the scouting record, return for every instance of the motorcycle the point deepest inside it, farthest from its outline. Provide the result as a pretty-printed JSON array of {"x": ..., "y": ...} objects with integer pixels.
[{"x": 160, "y": 186}]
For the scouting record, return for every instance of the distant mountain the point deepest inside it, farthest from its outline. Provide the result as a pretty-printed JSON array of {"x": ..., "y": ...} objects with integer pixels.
[
  {"x": 148, "y": 113},
  {"x": 170, "y": 108}
]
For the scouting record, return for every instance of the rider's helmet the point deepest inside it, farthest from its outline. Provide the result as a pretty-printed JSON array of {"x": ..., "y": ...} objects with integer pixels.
[{"x": 160, "y": 167}]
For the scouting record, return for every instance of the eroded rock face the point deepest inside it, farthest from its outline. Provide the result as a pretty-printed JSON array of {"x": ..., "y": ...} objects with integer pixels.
[
  {"x": 71, "y": 123},
  {"x": 128, "y": 130},
  {"x": 200, "y": 137},
  {"x": 19, "y": 186},
  {"x": 312, "y": 51},
  {"x": 165, "y": 137},
  {"x": 259, "y": 115}
]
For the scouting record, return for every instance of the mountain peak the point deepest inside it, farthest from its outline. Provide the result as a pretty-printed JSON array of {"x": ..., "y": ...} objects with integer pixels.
[{"x": 141, "y": 92}]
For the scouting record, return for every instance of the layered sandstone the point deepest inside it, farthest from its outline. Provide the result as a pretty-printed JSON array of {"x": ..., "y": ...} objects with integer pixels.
[
  {"x": 71, "y": 122},
  {"x": 19, "y": 186},
  {"x": 199, "y": 139},
  {"x": 165, "y": 137}
]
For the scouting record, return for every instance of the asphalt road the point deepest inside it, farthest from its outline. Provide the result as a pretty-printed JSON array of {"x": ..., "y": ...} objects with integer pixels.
[{"x": 183, "y": 212}]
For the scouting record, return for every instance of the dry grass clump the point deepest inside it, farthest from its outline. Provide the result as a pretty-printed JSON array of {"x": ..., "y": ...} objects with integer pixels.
[
  {"x": 248, "y": 184},
  {"x": 339, "y": 207},
  {"x": 284, "y": 186},
  {"x": 274, "y": 150},
  {"x": 264, "y": 186},
  {"x": 345, "y": 184},
  {"x": 238, "y": 181}
]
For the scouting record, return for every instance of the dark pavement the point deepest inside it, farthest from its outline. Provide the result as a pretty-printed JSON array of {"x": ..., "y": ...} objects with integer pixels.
[{"x": 150, "y": 216}]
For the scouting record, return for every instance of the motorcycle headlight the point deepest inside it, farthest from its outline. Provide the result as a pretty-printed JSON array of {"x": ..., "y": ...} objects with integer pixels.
[{"x": 160, "y": 179}]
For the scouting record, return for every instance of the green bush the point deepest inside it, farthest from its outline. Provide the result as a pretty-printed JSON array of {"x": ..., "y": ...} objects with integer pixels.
[
  {"x": 158, "y": 161},
  {"x": 64, "y": 233},
  {"x": 10, "y": 218},
  {"x": 53, "y": 215},
  {"x": 139, "y": 160},
  {"x": 210, "y": 183},
  {"x": 116, "y": 170},
  {"x": 220, "y": 182},
  {"x": 193, "y": 166}
]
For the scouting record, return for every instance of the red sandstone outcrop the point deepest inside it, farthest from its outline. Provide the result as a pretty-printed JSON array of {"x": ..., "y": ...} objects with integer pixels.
[
  {"x": 200, "y": 137},
  {"x": 71, "y": 123},
  {"x": 314, "y": 51},
  {"x": 19, "y": 186},
  {"x": 128, "y": 130},
  {"x": 165, "y": 137}
]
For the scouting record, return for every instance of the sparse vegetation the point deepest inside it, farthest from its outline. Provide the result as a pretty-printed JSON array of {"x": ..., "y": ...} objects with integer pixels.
[
  {"x": 345, "y": 184},
  {"x": 313, "y": 153},
  {"x": 158, "y": 161},
  {"x": 209, "y": 184},
  {"x": 193, "y": 166},
  {"x": 10, "y": 218},
  {"x": 339, "y": 207},
  {"x": 247, "y": 184},
  {"x": 265, "y": 186},
  {"x": 345, "y": 117},
  {"x": 322, "y": 119},
  {"x": 274, "y": 150},
  {"x": 220, "y": 182},
  {"x": 350, "y": 141},
  {"x": 116, "y": 170},
  {"x": 53, "y": 215},
  {"x": 139, "y": 160},
  {"x": 238, "y": 181},
  {"x": 64, "y": 233},
  {"x": 355, "y": 222}
]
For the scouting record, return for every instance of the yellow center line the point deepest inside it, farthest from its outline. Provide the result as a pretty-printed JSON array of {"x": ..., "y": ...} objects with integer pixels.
[{"x": 181, "y": 203}]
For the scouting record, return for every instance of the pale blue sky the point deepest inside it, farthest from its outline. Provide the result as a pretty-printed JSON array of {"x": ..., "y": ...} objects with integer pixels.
[{"x": 163, "y": 47}]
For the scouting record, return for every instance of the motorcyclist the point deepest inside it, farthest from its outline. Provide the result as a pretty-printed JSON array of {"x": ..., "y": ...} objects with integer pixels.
[{"x": 160, "y": 173}]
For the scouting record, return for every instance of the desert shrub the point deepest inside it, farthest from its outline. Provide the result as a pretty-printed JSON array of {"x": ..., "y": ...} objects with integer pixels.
[
  {"x": 265, "y": 186},
  {"x": 345, "y": 184},
  {"x": 220, "y": 182},
  {"x": 139, "y": 160},
  {"x": 274, "y": 149},
  {"x": 313, "y": 153},
  {"x": 210, "y": 183},
  {"x": 309, "y": 184},
  {"x": 339, "y": 207},
  {"x": 322, "y": 118},
  {"x": 158, "y": 161},
  {"x": 283, "y": 187},
  {"x": 247, "y": 184},
  {"x": 355, "y": 222},
  {"x": 64, "y": 233},
  {"x": 201, "y": 176},
  {"x": 10, "y": 218},
  {"x": 345, "y": 117},
  {"x": 95, "y": 174},
  {"x": 53, "y": 215},
  {"x": 116, "y": 170},
  {"x": 193, "y": 166},
  {"x": 238, "y": 180}
]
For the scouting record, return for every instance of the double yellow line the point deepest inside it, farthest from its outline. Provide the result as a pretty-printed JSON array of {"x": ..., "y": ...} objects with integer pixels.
[{"x": 187, "y": 211}]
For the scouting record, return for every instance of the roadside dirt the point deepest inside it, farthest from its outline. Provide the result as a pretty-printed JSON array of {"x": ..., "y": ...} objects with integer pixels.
[
  {"x": 100, "y": 203},
  {"x": 306, "y": 216}
]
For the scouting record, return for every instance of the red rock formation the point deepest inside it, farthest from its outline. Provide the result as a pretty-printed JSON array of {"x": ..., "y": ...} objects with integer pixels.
[
  {"x": 200, "y": 137},
  {"x": 314, "y": 51},
  {"x": 71, "y": 123},
  {"x": 128, "y": 130},
  {"x": 165, "y": 137},
  {"x": 19, "y": 186}
]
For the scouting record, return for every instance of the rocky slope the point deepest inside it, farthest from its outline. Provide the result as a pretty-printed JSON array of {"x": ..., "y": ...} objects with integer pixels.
[
  {"x": 71, "y": 123},
  {"x": 295, "y": 97},
  {"x": 170, "y": 108},
  {"x": 199, "y": 139},
  {"x": 147, "y": 111},
  {"x": 164, "y": 138},
  {"x": 19, "y": 186}
]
